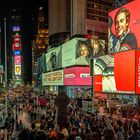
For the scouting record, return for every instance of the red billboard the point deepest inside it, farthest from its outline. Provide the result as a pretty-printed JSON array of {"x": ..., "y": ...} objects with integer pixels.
[
  {"x": 17, "y": 43},
  {"x": 118, "y": 73},
  {"x": 137, "y": 72},
  {"x": 124, "y": 28},
  {"x": 77, "y": 76}
]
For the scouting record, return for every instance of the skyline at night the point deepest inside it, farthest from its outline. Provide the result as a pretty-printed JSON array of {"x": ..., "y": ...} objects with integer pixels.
[{"x": 29, "y": 13}]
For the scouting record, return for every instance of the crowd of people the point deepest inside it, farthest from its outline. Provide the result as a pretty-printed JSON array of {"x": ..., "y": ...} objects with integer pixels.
[{"x": 80, "y": 125}]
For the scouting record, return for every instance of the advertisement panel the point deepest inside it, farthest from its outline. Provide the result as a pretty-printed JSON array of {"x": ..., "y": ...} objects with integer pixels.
[
  {"x": 17, "y": 52},
  {"x": 53, "y": 59},
  {"x": 137, "y": 72},
  {"x": 17, "y": 60},
  {"x": 17, "y": 69},
  {"x": 77, "y": 76},
  {"x": 17, "y": 42},
  {"x": 115, "y": 73},
  {"x": 1, "y": 68},
  {"x": 53, "y": 78},
  {"x": 124, "y": 28},
  {"x": 78, "y": 51},
  {"x": 16, "y": 28}
]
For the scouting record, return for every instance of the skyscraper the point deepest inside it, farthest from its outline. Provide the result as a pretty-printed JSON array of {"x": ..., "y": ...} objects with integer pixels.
[{"x": 79, "y": 17}]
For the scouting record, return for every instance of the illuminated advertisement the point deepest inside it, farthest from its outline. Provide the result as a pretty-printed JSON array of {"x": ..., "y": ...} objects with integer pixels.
[
  {"x": 17, "y": 42},
  {"x": 17, "y": 52},
  {"x": 117, "y": 73},
  {"x": 17, "y": 60},
  {"x": 78, "y": 51},
  {"x": 137, "y": 72},
  {"x": 124, "y": 28},
  {"x": 1, "y": 68},
  {"x": 77, "y": 76},
  {"x": 16, "y": 28},
  {"x": 75, "y": 52},
  {"x": 52, "y": 78},
  {"x": 53, "y": 59},
  {"x": 17, "y": 69}
]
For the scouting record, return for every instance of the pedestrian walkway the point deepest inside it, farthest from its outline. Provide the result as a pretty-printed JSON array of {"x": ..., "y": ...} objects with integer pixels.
[{"x": 25, "y": 119}]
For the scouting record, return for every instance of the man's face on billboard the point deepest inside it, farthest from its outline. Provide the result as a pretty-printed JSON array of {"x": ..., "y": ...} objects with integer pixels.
[{"x": 121, "y": 24}]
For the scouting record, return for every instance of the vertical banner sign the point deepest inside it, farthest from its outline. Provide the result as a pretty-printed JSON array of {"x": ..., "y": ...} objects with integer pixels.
[{"x": 137, "y": 72}]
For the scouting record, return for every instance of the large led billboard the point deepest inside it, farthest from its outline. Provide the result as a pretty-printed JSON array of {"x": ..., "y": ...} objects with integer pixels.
[
  {"x": 124, "y": 28},
  {"x": 78, "y": 51},
  {"x": 53, "y": 78},
  {"x": 77, "y": 76},
  {"x": 118, "y": 73},
  {"x": 53, "y": 59}
]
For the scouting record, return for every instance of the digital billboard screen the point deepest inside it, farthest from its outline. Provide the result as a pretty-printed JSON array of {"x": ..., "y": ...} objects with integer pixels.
[
  {"x": 54, "y": 59},
  {"x": 115, "y": 73},
  {"x": 77, "y": 76},
  {"x": 53, "y": 78},
  {"x": 124, "y": 28},
  {"x": 78, "y": 51}
]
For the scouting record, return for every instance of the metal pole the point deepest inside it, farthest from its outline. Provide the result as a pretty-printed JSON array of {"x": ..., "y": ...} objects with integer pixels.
[
  {"x": 5, "y": 73},
  {"x": 5, "y": 45},
  {"x": 92, "y": 65}
]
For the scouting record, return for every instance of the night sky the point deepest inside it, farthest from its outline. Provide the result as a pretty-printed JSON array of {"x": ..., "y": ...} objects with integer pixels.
[{"x": 30, "y": 13}]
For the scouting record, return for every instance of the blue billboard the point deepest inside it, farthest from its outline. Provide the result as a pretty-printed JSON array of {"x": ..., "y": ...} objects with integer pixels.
[{"x": 17, "y": 52}]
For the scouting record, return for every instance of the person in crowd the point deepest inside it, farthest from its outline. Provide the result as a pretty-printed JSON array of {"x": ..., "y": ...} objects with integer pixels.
[
  {"x": 120, "y": 133},
  {"x": 73, "y": 134},
  {"x": 135, "y": 135},
  {"x": 108, "y": 134},
  {"x": 21, "y": 125}
]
